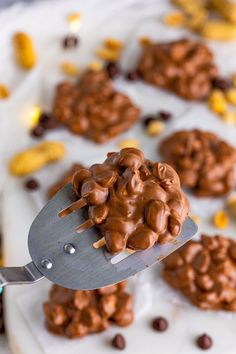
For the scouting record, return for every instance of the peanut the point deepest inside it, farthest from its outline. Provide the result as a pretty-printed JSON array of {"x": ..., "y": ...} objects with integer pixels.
[
  {"x": 95, "y": 66},
  {"x": 155, "y": 128},
  {"x": 226, "y": 8},
  {"x": 70, "y": 69},
  {"x": 35, "y": 158},
  {"x": 175, "y": 19},
  {"x": 127, "y": 143},
  {"x": 229, "y": 117},
  {"x": 4, "y": 92},
  {"x": 113, "y": 44},
  {"x": 221, "y": 219},
  {"x": 217, "y": 102},
  {"x": 219, "y": 30},
  {"x": 231, "y": 95},
  {"x": 24, "y": 50},
  {"x": 108, "y": 54}
]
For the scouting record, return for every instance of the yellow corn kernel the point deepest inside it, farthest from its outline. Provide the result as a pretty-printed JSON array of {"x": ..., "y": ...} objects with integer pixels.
[
  {"x": 229, "y": 117},
  {"x": 35, "y": 158},
  {"x": 144, "y": 41},
  {"x": 127, "y": 143},
  {"x": 108, "y": 54},
  {"x": 24, "y": 50},
  {"x": 217, "y": 102},
  {"x": 231, "y": 95},
  {"x": 4, "y": 92},
  {"x": 155, "y": 128},
  {"x": 175, "y": 19},
  {"x": 113, "y": 44},
  {"x": 221, "y": 219},
  {"x": 95, "y": 66},
  {"x": 70, "y": 69},
  {"x": 74, "y": 20}
]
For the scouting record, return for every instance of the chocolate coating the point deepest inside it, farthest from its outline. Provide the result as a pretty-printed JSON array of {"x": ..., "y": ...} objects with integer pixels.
[
  {"x": 205, "y": 272},
  {"x": 134, "y": 202},
  {"x": 75, "y": 314},
  {"x": 185, "y": 67},
  {"x": 93, "y": 108},
  {"x": 202, "y": 160}
]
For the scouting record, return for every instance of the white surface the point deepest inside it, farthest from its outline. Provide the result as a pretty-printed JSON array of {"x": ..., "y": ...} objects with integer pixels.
[{"x": 24, "y": 315}]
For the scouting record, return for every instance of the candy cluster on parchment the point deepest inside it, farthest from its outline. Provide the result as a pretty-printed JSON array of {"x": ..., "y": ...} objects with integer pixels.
[
  {"x": 134, "y": 202},
  {"x": 185, "y": 67},
  {"x": 77, "y": 313},
  {"x": 203, "y": 161},
  {"x": 93, "y": 108},
  {"x": 205, "y": 272}
]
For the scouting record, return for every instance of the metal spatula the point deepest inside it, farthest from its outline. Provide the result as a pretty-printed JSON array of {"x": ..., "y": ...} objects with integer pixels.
[{"x": 69, "y": 259}]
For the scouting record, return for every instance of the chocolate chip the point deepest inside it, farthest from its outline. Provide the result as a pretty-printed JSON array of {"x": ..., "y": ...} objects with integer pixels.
[
  {"x": 70, "y": 42},
  {"x": 204, "y": 342},
  {"x": 164, "y": 115},
  {"x": 148, "y": 119},
  {"x": 160, "y": 324},
  {"x": 112, "y": 69},
  {"x": 221, "y": 83},
  {"x": 119, "y": 342},
  {"x": 38, "y": 131},
  {"x": 132, "y": 76},
  {"x": 48, "y": 121},
  {"x": 32, "y": 184}
]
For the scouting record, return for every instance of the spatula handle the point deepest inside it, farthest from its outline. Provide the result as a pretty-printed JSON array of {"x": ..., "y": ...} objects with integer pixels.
[{"x": 20, "y": 275}]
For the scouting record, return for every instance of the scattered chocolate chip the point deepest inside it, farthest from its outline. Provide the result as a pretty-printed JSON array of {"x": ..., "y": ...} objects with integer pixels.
[
  {"x": 148, "y": 119},
  {"x": 221, "y": 83},
  {"x": 160, "y": 324},
  {"x": 204, "y": 342},
  {"x": 112, "y": 69},
  {"x": 48, "y": 121},
  {"x": 32, "y": 184},
  {"x": 119, "y": 342},
  {"x": 132, "y": 76},
  {"x": 164, "y": 115},
  {"x": 37, "y": 132},
  {"x": 70, "y": 42}
]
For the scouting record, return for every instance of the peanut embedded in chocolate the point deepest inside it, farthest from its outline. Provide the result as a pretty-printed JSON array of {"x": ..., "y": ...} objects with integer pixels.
[{"x": 134, "y": 202}]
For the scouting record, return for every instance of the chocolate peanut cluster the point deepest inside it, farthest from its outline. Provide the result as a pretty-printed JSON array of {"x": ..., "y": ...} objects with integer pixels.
[
  {"x": 77, "y": 313},
  {"x": 203, "y": 161},
  {"x": 205, "y": 272},
  {"x": 64, "y": 180},
  {"x": 185, "y": 67},
  {"x": 93, "y": 108},
  {"x": 133, "y": 201}
]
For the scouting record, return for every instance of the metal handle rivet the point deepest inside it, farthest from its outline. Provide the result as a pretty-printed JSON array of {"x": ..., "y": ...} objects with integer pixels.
[
  {"x": 69, "y": 248},
  {"x": 46, "y": 263}
]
